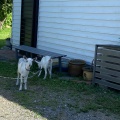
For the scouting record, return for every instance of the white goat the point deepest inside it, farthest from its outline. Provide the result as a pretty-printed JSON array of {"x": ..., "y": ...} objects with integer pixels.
[
  {"x": 24, "y": 65},
  {"x": 46, "y": 63}
]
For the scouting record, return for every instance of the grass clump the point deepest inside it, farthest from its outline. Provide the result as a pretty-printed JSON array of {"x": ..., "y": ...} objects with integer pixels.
[{"x": 4, "y": 33}]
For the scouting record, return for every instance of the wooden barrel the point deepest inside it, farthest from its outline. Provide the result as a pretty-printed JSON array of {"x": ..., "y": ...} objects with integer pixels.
[{"x": 75, "y": 67}]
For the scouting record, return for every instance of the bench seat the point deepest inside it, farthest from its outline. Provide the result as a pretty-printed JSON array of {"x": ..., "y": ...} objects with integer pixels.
[{"x": 39, "y": 52}]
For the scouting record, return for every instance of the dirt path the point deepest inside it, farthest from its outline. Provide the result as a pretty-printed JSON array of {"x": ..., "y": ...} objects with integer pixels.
[{"x": 7, "y": 55}]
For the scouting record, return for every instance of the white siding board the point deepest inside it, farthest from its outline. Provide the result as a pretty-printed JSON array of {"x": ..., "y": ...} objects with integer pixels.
[
  {"x": 67, "y": 43},
  {"x": 17, "y": 3},
  {"x": 16, "y": 18},
  {"x": 15, "y": 22},
  {"x": 75, "y": 40},
  {"x": 68, "y": 49},
  {"x": 95, "y": 29},
  {"x": 94, "y": 16},
  {"x": 17, "y": 8},
  {"x": 82, "y": 22},
  {"x": 73, "y": 27},
  {"x": 69, "y": 54},
  {"x": 80, "y": 3},
  {"x": 16, "y": 15},
  {"x": 79, "y": 33},
  {"x": 88, "y": 9},
  {"x": 15, "y": 29}
]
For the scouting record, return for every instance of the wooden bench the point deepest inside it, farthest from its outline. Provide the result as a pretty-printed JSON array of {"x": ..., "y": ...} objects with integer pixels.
[{"x": 40, "y": 52}]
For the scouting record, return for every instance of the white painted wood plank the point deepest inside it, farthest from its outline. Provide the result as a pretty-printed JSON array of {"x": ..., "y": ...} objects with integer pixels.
[
  {"x": 79, "y": 33},
  {"x": 16, "y": 22},
  {"x": 83, "y": 28},
  {"x": 17, "y": 4},
  {"x": 80, "y": 3},
  {"x": 80, "y": 9},
  {"x": 16, "y": 29},
  {"x": 67, "y": 49},
  {"x": 69, "y": 24},
  {"x": 16, "y": 18},
  {"x": 69, "y": 54},
  {"x": 87, "y": 16},
  {"x": 81, "y": 22},
  {"x": 17, "y": 8},
  {"x": 75, "y": 44},
  {"x": 74, "y": 39},
  {"x": 17, "y": 1}
]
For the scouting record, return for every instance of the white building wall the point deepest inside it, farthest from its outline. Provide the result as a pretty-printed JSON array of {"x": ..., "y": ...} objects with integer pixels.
[
  {"x": 73, "y": 27},
  {"x": 16, "y": 21}
]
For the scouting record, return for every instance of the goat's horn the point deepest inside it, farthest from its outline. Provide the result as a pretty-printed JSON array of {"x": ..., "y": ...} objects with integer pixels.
[{"x": 24, "y": 57}]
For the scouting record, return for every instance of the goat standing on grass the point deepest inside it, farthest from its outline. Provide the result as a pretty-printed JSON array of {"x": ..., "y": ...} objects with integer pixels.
[
  {"x": 46, "y": 63},
  {"x": 24, "y": 65}
]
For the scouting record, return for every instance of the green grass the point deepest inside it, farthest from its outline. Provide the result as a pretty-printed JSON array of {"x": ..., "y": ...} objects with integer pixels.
[
  {"x": 47, "y": 92},
  {"x": 5, "y": 33},
  {"x": 91, "y": 97}
]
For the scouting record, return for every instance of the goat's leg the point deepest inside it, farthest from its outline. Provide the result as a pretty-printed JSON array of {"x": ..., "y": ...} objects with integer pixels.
[
  {"x": 45, "y": 73},
  {"x": 25, "y": 83},
  {"x": 50, "y": 71},
  {"x": 40, "y": 71},
  {"x": 21, "y": 82},
  {"x": 17, "y": 82}
]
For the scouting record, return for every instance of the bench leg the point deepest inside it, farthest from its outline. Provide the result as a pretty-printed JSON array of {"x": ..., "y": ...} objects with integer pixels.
[
  {"x": 26, "y": 54},
  {"x": 16, "y": 51},
  {"x": 60, "y": 64}
]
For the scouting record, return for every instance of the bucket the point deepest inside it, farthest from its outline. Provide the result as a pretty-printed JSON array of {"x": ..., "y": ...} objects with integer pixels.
[
  {"x": 75, "y": 67},
  {"x": 87, "y": 73}
]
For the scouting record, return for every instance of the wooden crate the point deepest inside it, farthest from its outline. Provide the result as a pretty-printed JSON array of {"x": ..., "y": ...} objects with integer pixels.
[{"x": 106, "y": 70}]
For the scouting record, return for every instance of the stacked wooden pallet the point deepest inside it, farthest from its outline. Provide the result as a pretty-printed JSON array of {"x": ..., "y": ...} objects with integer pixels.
[{"x": 107, "y": 66}]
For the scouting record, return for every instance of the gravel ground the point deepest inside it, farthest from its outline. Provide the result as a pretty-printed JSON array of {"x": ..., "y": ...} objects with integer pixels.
[{"x": 12, "y": 109}]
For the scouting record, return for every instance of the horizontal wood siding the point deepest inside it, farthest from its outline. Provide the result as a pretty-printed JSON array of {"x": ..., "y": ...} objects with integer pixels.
[
  {"x": 74, "y": 27},
  {"x": 16, "y": 21}
]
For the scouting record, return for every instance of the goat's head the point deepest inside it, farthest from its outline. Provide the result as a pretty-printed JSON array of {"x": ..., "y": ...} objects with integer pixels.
[
  {"x": 38, "y": 62},
  {"x": 29, "y": 62}
]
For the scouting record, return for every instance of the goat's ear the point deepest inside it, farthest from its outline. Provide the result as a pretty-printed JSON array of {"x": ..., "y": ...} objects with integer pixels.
[{"x": 24, "y": 57}]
